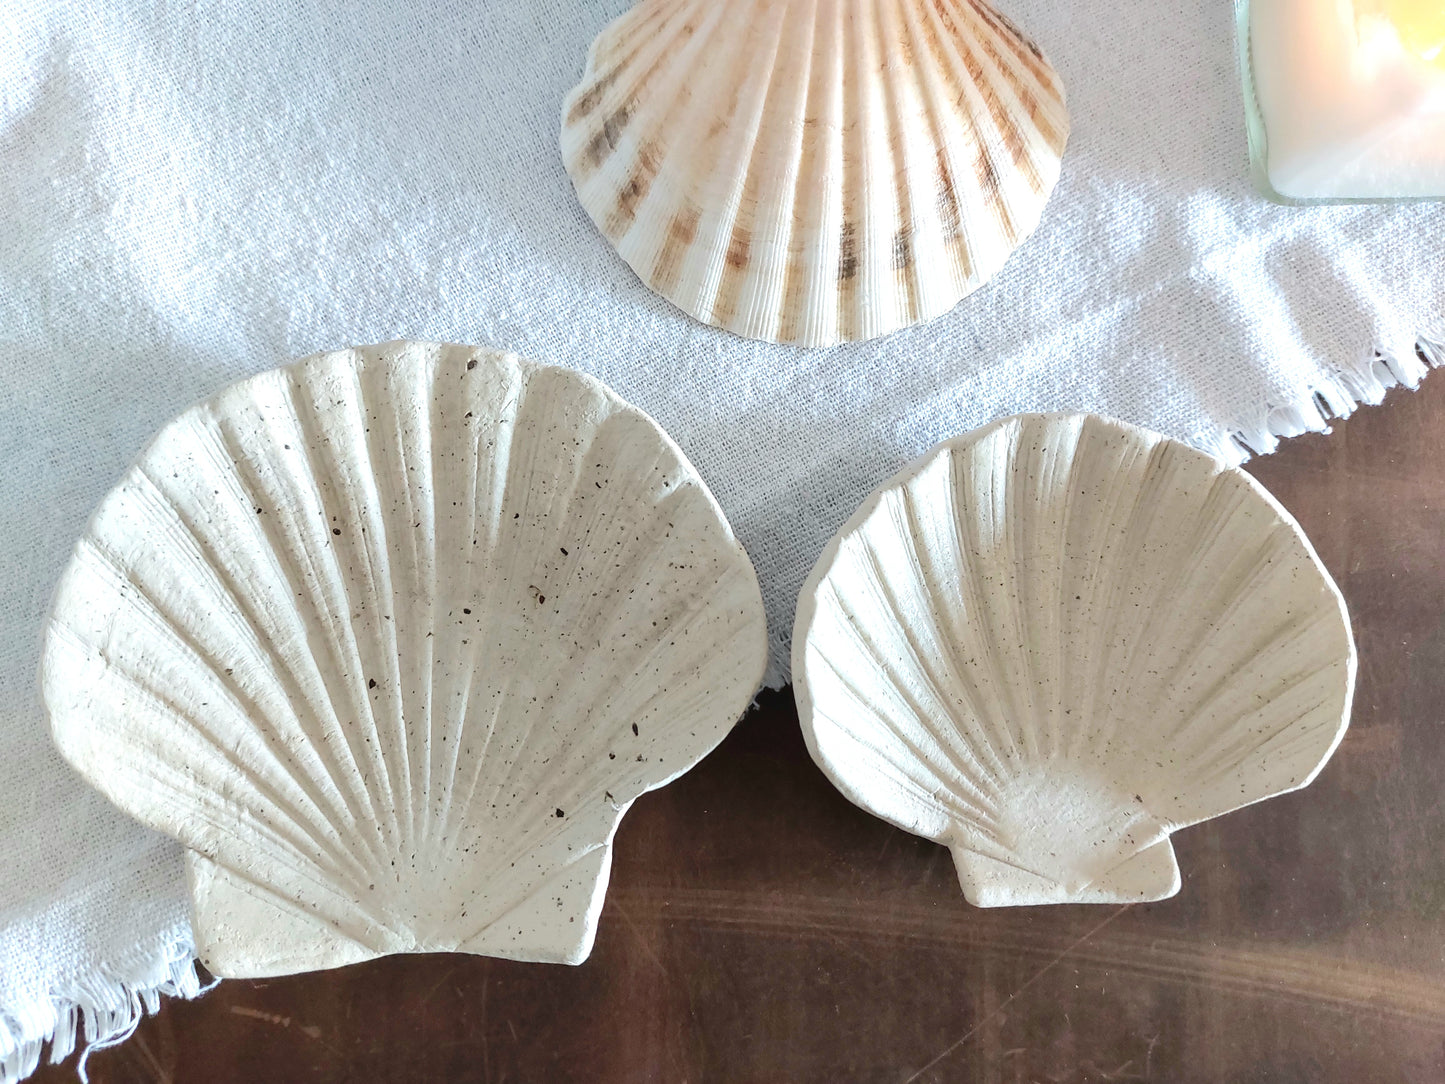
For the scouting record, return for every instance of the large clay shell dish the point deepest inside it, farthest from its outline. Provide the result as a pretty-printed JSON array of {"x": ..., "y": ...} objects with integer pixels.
[
  {"x": 391, "y": 639},
  {"x": 1050, "y": 643},
  {"x": 814, "y": 171}
]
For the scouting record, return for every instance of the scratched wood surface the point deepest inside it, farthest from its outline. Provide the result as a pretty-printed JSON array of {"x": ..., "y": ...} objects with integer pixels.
[{"x": 760, "y": 928}]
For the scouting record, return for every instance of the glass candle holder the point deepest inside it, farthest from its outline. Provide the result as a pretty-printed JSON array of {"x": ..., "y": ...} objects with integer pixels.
[{"x": 1345, "y": 99}]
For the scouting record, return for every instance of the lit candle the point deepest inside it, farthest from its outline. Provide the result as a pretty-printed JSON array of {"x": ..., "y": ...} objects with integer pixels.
[{"x": 1351, "y": 95}]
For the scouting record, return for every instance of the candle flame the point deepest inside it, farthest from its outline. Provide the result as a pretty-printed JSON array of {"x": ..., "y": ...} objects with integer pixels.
[{"x": 1417, "y": 25}]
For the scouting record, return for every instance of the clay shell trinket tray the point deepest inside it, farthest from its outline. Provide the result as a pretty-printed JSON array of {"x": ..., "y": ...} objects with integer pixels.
[
  {"x": 1053, "y": 641},
  {"x": 391, "y": 639}
]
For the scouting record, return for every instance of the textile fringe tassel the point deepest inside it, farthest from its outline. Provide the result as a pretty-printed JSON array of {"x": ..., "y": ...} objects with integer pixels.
[
  {"x": 1337, "y": 397},
  {"x": 102, "y": 1010}
]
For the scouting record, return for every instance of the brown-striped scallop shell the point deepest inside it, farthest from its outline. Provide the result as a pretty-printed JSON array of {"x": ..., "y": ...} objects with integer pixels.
[{"x": 814, "y": 171}]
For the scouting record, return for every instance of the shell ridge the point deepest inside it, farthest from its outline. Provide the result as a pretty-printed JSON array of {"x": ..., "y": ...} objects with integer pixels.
[
  {"x": 1003, "y": 856},
  {"x": 905, "y": 695},
  {"x": 1196, "y": 708},
  {"x": 984, "y": 535},
  {"x": 1008, "y": 717},
  {"x": 474, "y": 935},
  {"x": 312, "y": 827},
  {"x": 315, "y": 429},
  {"x": 929, "y": 789},
  {"x": 622, "y": 423},
  {"x": 1219, "y": 621},
  {"x": 435, "y": 733},
  {"x": 1187, "y": 543},
  {"x": 758, "y": 261},
  {"x": 482, "y": 758},
  {"x": 671, "y": 270},
  {"x": 800, "y": 285},
  {"x": 410, "y": 446},
  {"x": 563, "y": 497},
  {"x": 530, "y": 478},
  {"x": 603, "y": 702},
  {"x": 1104, "y": 479},
  {"x": 372, "y": 548},
  {"x": 851, "y": 184},
  {"x": 1240, "y": 729},
  {"x": 1040, "y": 610},
  {"x": 459, "y": 746},
  {"x": 1023, "y": 498},
  {"x": 906, "y": 289},
  {"x": 952, "y": 629},
  {"x": 958, "y": 625},
  {"x": 975, "y": 56},
  {"x": 602, "y": 68},
  {"x": 359, "y": 930},
  {"x": 655, "y": 553},
  {"x": 953, "y": 235},
  {"x": 680, "y": 623},
  {"x": 517, "y": 482},
  {"x": 673, "y": 96},
  {"x": 330, "y": 583},
  {"x": 451, "y": 547},
  {"x": 296, "y": 689},
  {"x": 745, "y": 142},
  {"x": 173, "y": 779},
  {"x": 926, "y": 785},
  {"x": 940, "y": 475},
  {"x": 795, "y": 201},
  {"x": 1033, "y": 84},
  {"x": 1280, "y": 743},
  {"x": 1001, "y": 29},
  {"x": 1074, "y": 625},
  {"x": 272, "y": 530},
  {"x": 1121, "y": 527},
  {"x": 534, "y": 855},
  {"x": 1125, "y": 858},
  {"x": 1155, "y": 472},
  {"x": 382, "y": 445},
  {"x": 614, "y": 607},
  {"x": 992, "y": 127},
  {"x": 939, "y": 661},
  {"x": 501, "y": 421},
  {"x": 243, "y": 623}
]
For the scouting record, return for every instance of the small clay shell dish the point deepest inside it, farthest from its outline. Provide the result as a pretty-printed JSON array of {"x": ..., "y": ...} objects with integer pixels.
[
  {"x": 1051, "y": 642},
  {"x": 814, "y": 171},
  {"x": 391, "y": 639}
]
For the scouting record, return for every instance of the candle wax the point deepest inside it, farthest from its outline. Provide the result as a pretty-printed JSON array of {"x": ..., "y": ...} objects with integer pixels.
[{"x": 1351, "y": 96}]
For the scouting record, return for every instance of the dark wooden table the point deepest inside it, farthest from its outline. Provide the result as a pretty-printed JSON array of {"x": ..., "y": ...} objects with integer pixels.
[{"x": 761, "y": 928}]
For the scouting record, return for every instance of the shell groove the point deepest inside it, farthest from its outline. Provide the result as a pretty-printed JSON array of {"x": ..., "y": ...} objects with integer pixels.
[
  {"x": 390, "y": 639},
  {"x": 1051, "y": 642},
  {"x": 814, "y": 171}
]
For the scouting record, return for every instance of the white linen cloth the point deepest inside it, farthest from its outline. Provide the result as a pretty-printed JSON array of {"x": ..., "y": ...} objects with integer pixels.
[{"x": 193, "y": 192}]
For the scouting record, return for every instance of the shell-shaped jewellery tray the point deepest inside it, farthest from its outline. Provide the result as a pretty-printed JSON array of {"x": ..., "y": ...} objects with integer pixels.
[
  {"x": 1053, "y": 641},
  {"x": 391, "y": 639}
]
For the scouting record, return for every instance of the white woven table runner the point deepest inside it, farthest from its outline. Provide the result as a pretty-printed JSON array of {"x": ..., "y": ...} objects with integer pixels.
[{"x": 189, "y": 195}]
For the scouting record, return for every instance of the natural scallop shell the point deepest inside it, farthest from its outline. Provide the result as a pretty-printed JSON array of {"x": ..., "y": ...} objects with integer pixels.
[
  {"x": 1051, "y": 642},
  {"x": 814, "y": 171},
  {"x": 391, "y": 638}
]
